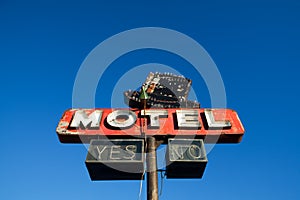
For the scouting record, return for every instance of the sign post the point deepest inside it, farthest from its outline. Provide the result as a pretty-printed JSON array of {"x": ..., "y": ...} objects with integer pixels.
[{"x": 152, "y": 180}]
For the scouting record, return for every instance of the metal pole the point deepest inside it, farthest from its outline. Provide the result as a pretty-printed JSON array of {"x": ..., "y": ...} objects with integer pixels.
[{"x": 152, "y": 180}]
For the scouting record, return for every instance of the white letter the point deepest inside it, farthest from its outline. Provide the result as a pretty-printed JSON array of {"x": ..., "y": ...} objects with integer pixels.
[
  {"x": 194, "y": 149},
  {"x": 121, "y": 118},
  {"x": 154, "y": 116},
  {"x": 131, "y": 150},
  {"x": 115, "y": 152},
  {"x": 215, "y": 124},
  {"x": 100, "y": 152},
  {"x": 188, "y": 119},
  {"x": 81, "y": 119},
  {"x": 174, "y": 151}
]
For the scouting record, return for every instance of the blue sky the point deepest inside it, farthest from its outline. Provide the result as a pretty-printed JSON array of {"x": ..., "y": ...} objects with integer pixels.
[{"x": 255, "y": 45}]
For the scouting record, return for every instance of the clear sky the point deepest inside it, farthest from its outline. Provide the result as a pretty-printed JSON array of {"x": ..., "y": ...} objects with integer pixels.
[{"x": 255, "y": 45}]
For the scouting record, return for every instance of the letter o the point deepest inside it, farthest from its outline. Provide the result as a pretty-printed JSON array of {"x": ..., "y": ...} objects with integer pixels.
[
  {"x": 129, "y": 118},
  {"x": 195, "y": 152}
]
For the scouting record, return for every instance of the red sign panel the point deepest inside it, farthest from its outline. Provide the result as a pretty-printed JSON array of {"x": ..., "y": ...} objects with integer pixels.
[{"x": 212, "y": 125}]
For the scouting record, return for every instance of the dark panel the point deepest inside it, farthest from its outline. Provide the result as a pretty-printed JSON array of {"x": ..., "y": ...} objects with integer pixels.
[
  {"x": 186, "y": 158},
  {"x": 116, "y": 159}
]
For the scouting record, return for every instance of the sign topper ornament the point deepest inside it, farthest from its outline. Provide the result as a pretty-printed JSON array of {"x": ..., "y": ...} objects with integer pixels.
[{"x": 122, "y": 140}]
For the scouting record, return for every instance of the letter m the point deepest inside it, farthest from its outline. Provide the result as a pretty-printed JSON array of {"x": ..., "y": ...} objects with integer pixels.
[{"x": 84, "y": 121}]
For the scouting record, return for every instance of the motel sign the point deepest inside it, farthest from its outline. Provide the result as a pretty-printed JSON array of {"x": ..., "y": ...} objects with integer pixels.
[
  {"x": 123, "y": 142},
  {"x": 82, "y": 125}
]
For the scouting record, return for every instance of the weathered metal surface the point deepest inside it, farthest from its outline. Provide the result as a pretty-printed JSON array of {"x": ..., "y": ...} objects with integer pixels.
[
  {"x": 116, "y": 159},
  {"x": 165, "y": 90},
  {"x": 185, "y": 158},
  {"x": 82, "y": 125}
]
